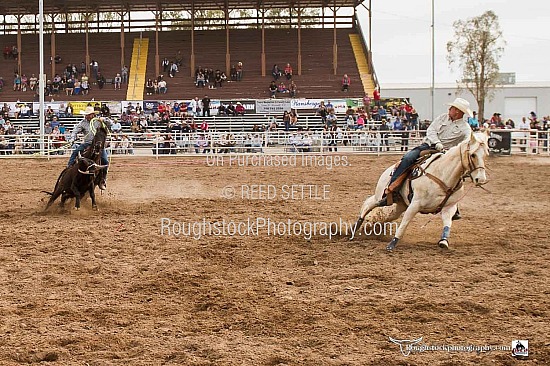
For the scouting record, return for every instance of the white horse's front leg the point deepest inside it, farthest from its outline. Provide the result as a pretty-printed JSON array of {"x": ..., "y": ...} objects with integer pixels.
[
  {"x": 446, "y": 216},
  {"x": 411, "y": 212}
]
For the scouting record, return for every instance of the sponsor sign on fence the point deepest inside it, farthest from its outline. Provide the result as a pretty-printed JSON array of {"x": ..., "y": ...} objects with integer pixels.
[{"x": 275, "y": 106}]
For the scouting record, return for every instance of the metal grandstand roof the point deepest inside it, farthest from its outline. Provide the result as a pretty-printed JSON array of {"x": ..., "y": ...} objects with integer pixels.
[{"x": 14, "y": 7}]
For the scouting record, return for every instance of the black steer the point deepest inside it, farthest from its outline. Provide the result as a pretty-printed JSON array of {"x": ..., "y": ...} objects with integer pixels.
[{"x": 75, "y": 181}]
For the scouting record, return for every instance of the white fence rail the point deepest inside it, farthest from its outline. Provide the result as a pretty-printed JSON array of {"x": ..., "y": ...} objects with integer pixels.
[{"x": 155, "y": 144}]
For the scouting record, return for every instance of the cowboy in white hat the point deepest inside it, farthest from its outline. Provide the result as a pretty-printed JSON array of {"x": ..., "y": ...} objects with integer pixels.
[
  {"x": 87, "y": 126},
  {"x": 446, "y": 131}
]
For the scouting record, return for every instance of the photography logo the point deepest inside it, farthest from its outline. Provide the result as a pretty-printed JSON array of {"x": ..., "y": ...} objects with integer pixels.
[
  {"x": 405, "y": 344},
  {"x": 520, "y": 348}
]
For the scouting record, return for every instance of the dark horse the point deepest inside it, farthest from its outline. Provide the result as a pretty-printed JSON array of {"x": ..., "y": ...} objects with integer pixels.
[
  {"x": 84, "y": 175},
  {"x": 95, "y": 150}
]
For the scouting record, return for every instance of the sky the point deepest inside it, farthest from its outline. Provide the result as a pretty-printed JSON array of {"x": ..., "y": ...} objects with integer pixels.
[{"x": 402, "y": 41}]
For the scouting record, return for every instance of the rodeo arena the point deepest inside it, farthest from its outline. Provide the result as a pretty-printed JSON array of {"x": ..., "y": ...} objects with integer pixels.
[{"x": 229, "y": 183}]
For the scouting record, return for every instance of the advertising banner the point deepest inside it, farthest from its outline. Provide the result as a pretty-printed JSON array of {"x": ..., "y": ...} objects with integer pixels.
[
  {"x": 339, "y": 105},
  {"x": 273, "y": 106},
  {"x": 500, "y": 141},
  {"x": 81, "y": 106},
  {"x": 249, "y": 105}
]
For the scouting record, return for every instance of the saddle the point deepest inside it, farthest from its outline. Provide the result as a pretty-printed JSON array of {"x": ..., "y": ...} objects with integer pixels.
[{"x": 391, "y": 189}]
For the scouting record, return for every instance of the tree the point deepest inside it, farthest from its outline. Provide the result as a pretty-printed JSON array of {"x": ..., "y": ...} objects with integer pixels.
[{"x": 476, "y": 49}]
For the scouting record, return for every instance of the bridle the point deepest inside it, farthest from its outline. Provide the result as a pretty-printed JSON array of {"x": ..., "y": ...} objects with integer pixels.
[{"x": 468, "y": 170}]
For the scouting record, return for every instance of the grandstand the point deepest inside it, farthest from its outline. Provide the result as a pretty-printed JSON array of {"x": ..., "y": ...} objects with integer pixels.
[{"x": 320, "y": 52}]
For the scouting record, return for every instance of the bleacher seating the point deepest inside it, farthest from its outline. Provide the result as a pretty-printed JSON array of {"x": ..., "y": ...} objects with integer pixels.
[{"x": 317, "y": 79}]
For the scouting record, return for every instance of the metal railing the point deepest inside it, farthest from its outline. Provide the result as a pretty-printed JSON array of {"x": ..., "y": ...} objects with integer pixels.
[{"x": 157, "y": 144}]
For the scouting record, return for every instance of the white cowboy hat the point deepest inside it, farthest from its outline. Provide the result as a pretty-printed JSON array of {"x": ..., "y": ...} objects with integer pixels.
[
  {"x": 462, "y": 105},
  {"x": 88, "y": 110}
]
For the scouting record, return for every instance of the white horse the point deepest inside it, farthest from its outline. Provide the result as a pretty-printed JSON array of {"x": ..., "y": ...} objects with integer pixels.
[{"x": 437, "y": 187}]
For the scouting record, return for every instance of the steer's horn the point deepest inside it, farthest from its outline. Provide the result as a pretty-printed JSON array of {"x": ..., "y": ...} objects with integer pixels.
[{"x": 102, "y": 166}]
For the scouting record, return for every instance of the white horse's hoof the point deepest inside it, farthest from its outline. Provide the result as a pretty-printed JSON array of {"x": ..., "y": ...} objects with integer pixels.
[{"x": 444, "y": 244}]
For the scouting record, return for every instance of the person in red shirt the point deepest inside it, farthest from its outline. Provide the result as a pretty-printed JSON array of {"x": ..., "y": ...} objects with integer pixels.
[
  {"x": 366, "y": 104},
  {"x": 346, "y": 82},
  {"x": 161, "y": 108},
  {"x": 376, "y": 96},
  {"x": 239, "y": 109},
  {"x": 288, "y": 71}
]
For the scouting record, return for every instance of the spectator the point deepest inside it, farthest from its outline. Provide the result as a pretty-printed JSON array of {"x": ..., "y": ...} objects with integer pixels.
[
  {"x": 276, "y": 72},
  {"x": 32, "y": 82},
  {"x": 273, "y": 88},
  {"x": 149, "y": 87},
  {"x": 346, "y": 82},
  {"x": 117, "y": 81},
  {"x": 286, "y": 120},
  {"x": 116, "y": 127},
  {"x": 124, "y": 74},
  {"x": 405, "y": 135},
  {"x": 201, "y": 143},
  {"x": 95, "y": 68},
  {"x": 165, "y": 65},
  {"x": 413, "y": 120},
  {"x": 200, "y": 80},
  {"x": 288, "y": 71},
  {"x": 84, "y": 85},
  {"x": 323, "y": 112},
  {"x": 195, "y": 106},
  {"x": 239, "y": 109},
  {"x": 204, "y": 126},
  {"x": 101, "y": 80},
  {"x": 163, "y": 88},
  {"x": 178, "y": 60},
  {"x": 366, "y": 104},
  {"x": 332, "y": 119},
  {"x": 239, "y": 71},
  {"x": 24, "y": 82},
  {"x": 17, "y": 82},
  {"x": 293, "y": 118},
  {"x": 14, "y": 52},
  {"x": 173, "y": 69},
  {"x": 222, "y": 111},
  {"x": 384, "y": 135},
  {"x": 156, "y": 86},
  {"x": 473, "y": 121},
  {"x": 281, "y": 88},
  {"x": 69, "y": 88},
  {"x": 293, "y": 89},
  {"x": 206, "y": 106},
  {"x": 397, "y": 124},
  {"x": 230, "y": 110},
  {"x": 376, "y": 97}
]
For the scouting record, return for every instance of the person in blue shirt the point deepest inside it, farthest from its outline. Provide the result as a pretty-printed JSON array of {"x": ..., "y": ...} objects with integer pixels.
[
  {"x": 473, "y": 122},
  {"x": 397, "y": 124}
]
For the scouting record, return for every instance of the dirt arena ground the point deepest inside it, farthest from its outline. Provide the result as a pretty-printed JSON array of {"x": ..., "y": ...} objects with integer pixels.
[{"x": 106, "y": 288}]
